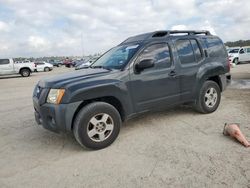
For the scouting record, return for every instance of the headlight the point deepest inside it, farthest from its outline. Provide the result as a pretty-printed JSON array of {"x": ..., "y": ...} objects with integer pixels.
[{"x": 55, "y": 96}]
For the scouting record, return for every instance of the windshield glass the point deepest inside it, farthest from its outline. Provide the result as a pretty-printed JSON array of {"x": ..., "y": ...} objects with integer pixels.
[
  {"x": 117, "y": 57},
  {"x": 233, "y": 51}
]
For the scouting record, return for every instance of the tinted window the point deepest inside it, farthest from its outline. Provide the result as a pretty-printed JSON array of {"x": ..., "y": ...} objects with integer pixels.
[
  {"x": 233, "y": 51},
  {"x": 197, "y": 50},
  {"x": 4, "y": 61},
  {"x": 215, "y": 47},
  {"x": 185, "y": 51},
  {"x": 248, "y": 50},
  {"x": 40, "y": 63},
  {"x": 159, "y": 53}
]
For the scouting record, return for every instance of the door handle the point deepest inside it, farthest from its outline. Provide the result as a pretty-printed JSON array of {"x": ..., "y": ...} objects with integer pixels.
[{"x": 172, "y": 74}]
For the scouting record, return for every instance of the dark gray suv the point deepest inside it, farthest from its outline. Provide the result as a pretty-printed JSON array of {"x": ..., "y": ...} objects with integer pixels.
[{"x": 147, "y": 72}]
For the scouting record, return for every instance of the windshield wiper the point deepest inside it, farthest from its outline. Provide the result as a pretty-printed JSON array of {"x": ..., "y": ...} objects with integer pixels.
[{"x": 100, "y": 67}]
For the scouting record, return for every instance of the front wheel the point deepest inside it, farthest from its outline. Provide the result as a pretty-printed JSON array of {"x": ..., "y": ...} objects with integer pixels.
[
  {"x": 209, "y": 97},
  {"x": 236, "y": 61},
  {"x": 97, "y": 125}
]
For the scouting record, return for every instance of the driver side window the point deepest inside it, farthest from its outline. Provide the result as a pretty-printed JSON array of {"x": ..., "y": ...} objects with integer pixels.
[{"x": 159, "y": 53}]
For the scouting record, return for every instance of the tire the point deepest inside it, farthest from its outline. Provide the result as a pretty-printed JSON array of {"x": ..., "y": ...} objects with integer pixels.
[
  {"x": 236, "y": 61},
  {"x": 46, "y": 69},
  {"x": 25, "y": 72},
  {"x": 97, "y": 125},
  {"x": 209, "y": 98}
]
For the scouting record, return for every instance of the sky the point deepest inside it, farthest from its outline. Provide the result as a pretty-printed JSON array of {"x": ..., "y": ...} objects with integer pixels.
[{"x": 36, "y": 28}]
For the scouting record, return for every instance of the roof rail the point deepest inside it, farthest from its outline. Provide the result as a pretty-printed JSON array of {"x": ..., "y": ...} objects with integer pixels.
[{"x": 188, "y": 32}]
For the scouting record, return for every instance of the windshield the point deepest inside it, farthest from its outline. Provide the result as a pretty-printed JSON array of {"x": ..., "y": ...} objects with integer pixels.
[
  {"x": 233, "y": 51},
  {"x": 117, "y": 57}
]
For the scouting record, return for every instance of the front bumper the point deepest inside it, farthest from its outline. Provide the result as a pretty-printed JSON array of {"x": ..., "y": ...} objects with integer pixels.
[{"x": 56, "y": 118}]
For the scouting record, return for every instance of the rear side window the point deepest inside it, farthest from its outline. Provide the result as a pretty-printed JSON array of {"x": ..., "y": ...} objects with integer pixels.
[
  {"x": 160, "y": 53},
  {"x": 216, "y": 47},
  {"x": 248, "y": 50},
  {"x": 185, "y": 51},
  {"x": 40, "y": 63},
  {"x": 4, "y": 61},
  {"x": 197, "y": 50}
]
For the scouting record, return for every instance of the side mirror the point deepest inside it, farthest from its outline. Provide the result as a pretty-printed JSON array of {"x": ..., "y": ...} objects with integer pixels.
[
  {"x": 144, "y": 64},
  {"x": 242, "y": 52}
]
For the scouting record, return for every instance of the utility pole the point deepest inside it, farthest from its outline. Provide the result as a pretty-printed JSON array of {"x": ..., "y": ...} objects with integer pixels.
[{"x": 82, "y": 45}]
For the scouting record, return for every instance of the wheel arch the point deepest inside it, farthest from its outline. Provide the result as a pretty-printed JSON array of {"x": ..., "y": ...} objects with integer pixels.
[
  {"x": 108, "y": 99},
  {"x": 217, "y": 80},
  {"x": 23, "y": 68}
]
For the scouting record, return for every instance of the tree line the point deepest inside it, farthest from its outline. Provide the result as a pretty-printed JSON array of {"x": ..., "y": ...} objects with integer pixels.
[{"x": 238, "y": 43}]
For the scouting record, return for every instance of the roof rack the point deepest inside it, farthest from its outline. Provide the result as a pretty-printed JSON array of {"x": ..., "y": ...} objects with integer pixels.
[
  {"x": 188, "y": 32},
  {"x": 163, "y": 33}
]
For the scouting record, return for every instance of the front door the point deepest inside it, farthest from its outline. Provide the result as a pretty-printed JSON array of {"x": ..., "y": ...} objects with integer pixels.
[
  {"x": 6, "y": 67},
  {"x": 157, "y": 86},
  {"x": 244, "y": 54}
]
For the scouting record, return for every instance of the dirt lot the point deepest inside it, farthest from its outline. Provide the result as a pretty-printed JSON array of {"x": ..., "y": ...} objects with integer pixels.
[{"x": 176, "y": 148}]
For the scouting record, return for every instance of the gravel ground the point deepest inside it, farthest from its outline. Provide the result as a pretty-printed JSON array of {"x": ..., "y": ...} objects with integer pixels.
[{"x": 175, "y": 148}]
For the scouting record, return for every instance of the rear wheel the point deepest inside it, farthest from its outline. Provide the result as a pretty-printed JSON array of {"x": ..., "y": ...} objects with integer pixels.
[
  {"x": 46, "y": 69},
  {"x": 209, "y": 98},
  {"x": 97, "y": 125},
  {"x": 25, "y": 72}
]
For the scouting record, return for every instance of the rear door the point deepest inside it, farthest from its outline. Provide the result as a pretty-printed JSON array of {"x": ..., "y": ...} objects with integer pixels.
[
  {"x": 190, "y": 56},
  {"x": 6, "y": 67},
  {"x": 244, "y": 54}
]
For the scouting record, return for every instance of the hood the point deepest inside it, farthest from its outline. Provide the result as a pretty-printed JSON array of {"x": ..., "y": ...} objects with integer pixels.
[{"x": 61, "y": 81}]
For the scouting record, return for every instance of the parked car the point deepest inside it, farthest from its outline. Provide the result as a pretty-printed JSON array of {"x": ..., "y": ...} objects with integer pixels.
[
  {"x": 56, "y": 63},
  {"x": 86, "y": 64},
  {"x": 43, "y": 66},
  {"x": 83, "y": 65},
  {"x": 148, "y": 72},
  {"x": 68, "y": 63},
  {"x": 79, "y": 62},
  {"x": 8, "y": 67},
  {"x": 238, "y": 55}
]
